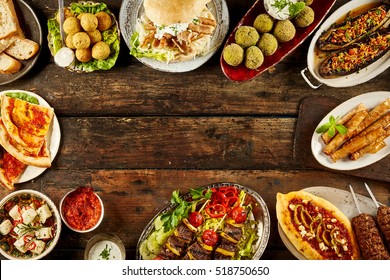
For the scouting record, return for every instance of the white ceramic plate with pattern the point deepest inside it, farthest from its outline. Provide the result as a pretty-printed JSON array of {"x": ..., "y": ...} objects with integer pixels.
[
  {"x": 53, "y": 139},
  {"x": 131, "y": 10}
]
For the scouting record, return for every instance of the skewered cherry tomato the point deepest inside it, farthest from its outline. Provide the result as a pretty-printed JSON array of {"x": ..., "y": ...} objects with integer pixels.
[
  {"x": 238, "y": 214},
  {"x": 195, "y": 219},
  {"x": 210, "y": 237}
]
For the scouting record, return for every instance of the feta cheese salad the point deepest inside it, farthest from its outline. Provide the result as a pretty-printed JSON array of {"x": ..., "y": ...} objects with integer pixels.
[{"x": 28, "y": 226}]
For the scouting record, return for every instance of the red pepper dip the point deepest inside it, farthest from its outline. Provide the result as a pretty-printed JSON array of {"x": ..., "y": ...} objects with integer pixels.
[{"x": 82, "y": 209}]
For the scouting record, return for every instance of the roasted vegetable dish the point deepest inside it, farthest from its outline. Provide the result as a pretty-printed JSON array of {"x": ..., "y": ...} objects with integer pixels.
[
  {"x": 356, "y": 42},
  {"x": 354, "y": 29},
  {"x": 356, "y": 56}
]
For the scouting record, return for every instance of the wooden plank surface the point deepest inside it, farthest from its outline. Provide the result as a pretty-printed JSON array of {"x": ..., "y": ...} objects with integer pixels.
[{"x": 135, "y": 134}]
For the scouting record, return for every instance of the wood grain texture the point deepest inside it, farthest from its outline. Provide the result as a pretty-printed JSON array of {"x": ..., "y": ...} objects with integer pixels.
[{"x": 135, "y": 134}]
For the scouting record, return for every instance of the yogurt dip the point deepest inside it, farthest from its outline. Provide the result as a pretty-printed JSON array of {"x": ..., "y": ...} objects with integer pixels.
[
  {"x": 280, "y": 9},
  {"x": 105, "y": 250}
]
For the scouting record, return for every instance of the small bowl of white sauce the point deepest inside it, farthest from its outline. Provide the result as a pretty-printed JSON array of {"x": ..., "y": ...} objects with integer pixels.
[
  {"x": 283, "y": 9},
  {"x": 105, "y": 246}
]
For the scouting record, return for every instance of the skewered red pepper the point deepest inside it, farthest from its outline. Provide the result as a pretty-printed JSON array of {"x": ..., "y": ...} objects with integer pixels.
[{"x": 215, "y": 210}]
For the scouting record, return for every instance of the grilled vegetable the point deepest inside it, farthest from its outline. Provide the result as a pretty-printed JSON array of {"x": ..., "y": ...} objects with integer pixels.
[
  {"x": 356, "y": 56},
  {"x": 352, "y": 30}
]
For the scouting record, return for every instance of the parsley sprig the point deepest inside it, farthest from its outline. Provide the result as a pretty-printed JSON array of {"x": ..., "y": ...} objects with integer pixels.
[
  {"x": 183, "y": 207},
  {"x": 293, "y": 8},
  {"x": 331, "y": 127}
]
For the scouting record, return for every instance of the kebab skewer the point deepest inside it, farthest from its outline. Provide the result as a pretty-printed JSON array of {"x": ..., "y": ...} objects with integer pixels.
[
  {"x": 367, "y": 233},
  {"x": 382, "y": 217}
]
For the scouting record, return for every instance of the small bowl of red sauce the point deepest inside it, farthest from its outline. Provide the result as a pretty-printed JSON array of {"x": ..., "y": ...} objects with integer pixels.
[{"x": 81, "y": 209}]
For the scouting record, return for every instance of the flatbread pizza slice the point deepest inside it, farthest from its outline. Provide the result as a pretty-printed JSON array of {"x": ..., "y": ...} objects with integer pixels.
[
  {"x": 42, "y": 159},
  {"x": 26, "y": 123},
  {"x": 316, "y": 228},
  {"x": 10, "y": 169}
]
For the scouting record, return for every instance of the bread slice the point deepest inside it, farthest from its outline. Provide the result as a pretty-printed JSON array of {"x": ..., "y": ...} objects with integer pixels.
[
  {"x": 8, "y": 64},
  {"x": 22, "y": 48},
  {"x": 9, "y": 23}
]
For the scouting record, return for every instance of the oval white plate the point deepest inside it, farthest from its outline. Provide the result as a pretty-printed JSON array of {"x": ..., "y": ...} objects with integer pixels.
[
  {"x": 131, "y": 10},
  {"x": 370, "y": 99},
  {"x": 359, "y": 77},
  {"x": 341, "y": 199},
  {"x": 53, "y": 140}
]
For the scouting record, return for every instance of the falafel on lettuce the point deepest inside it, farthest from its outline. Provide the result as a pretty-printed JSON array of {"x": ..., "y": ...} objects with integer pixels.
[
  {"x": 109, "y": 36},
  {"x": 173, "y": 30}
]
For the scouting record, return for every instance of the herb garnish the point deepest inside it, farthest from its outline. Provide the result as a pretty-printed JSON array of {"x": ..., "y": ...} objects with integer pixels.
[
  {"x": 331, "y": 127},
  {"x": 183, "y": 208},
  {"x": 105, "y": 254},
  {"x": 293, "y": 8}
]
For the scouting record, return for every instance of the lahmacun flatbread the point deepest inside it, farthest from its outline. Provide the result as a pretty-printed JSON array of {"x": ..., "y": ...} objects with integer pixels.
[{"x": 316, "y": 228}]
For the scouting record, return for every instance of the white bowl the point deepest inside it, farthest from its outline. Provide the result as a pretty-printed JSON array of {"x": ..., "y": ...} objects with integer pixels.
[
  {"x": 26, "y": 197},
  {"x": 64, "y": 219},
  {"x": 108, "y": 243}
]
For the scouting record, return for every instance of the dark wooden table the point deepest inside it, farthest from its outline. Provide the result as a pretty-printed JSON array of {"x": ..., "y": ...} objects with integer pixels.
[{"x": 135, "y": 134}]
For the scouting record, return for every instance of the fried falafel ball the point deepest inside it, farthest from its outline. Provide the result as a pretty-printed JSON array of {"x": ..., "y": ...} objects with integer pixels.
[
  {"x": 71, "y": 25},
  {"x": 308, "y": 2},
  {"x": 104, "y": 21},
  {"x": 95, "y": 36},
  {"x": 88, "y": 22},
  {"x": 84, "y": 55},
  {"x": 263, "y": 23},
  {"x": 305, "y": 17},
  {"x": 254, "y": 57},
  {"x": 246, "y": 36},
  {"x": 233, "y": 54},
  {"x": 267, "y": 44},
  {"x": 67, "y": 13},
  {"x": 100, "y": 50},
  {"x": 81, "y": 40},
  {"x": 69, "y": 41},
  {"x": 284, "y": 30}
]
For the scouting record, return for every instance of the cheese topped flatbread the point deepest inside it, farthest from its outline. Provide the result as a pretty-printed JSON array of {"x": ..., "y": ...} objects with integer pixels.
[
  {"x": 27, "y": 124},
  {"x": 317, "y": 228}
]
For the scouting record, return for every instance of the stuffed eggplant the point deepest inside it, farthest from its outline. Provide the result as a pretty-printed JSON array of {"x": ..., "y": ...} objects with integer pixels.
[
  {"x": 352, "y": 30},
  {"x": 357, "y": 56}
]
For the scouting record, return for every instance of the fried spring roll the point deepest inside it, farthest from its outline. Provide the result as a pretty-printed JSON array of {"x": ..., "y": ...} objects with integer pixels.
[
  {"x": 325, "y": 136},
  {"x": 357, "y": 143},
  {"x": 374, "y": 115},
  {"x": 351, "y": 126},
  {"x": 372, "y": 148},
  {"x": 382, "y": 122}
]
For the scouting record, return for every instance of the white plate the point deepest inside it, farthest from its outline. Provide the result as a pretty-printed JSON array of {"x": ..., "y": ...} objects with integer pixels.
[
  {"x": 33, "y": 31},
  {"x": 131, "y": 10},
  {"x": 370, "y": 99},
  {"x": 341, "y": 199},
  {"x": 53, "y": 140},
  {"x": 354, "y": 79}
]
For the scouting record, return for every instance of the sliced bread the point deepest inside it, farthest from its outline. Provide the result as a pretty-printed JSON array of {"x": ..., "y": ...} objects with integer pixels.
[
  {"x": 8, "y": 64},
  {"x": 22, "y": 48},
  {"x": 9, "y": 23}
]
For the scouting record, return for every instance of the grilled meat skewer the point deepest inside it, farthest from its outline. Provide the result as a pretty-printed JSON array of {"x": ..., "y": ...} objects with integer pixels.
[
  {"x": 382, "y": 217},
  {"x": 368, "y": 235}
]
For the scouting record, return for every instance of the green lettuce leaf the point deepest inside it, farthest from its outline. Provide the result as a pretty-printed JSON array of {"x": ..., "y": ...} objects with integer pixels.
[
  {"x": 109, "y": 36},
  {"x": 138, "y": 52}
]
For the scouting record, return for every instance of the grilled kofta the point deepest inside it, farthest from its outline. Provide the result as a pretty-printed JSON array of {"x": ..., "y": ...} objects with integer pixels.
[{"x": 369, "y": 238}]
